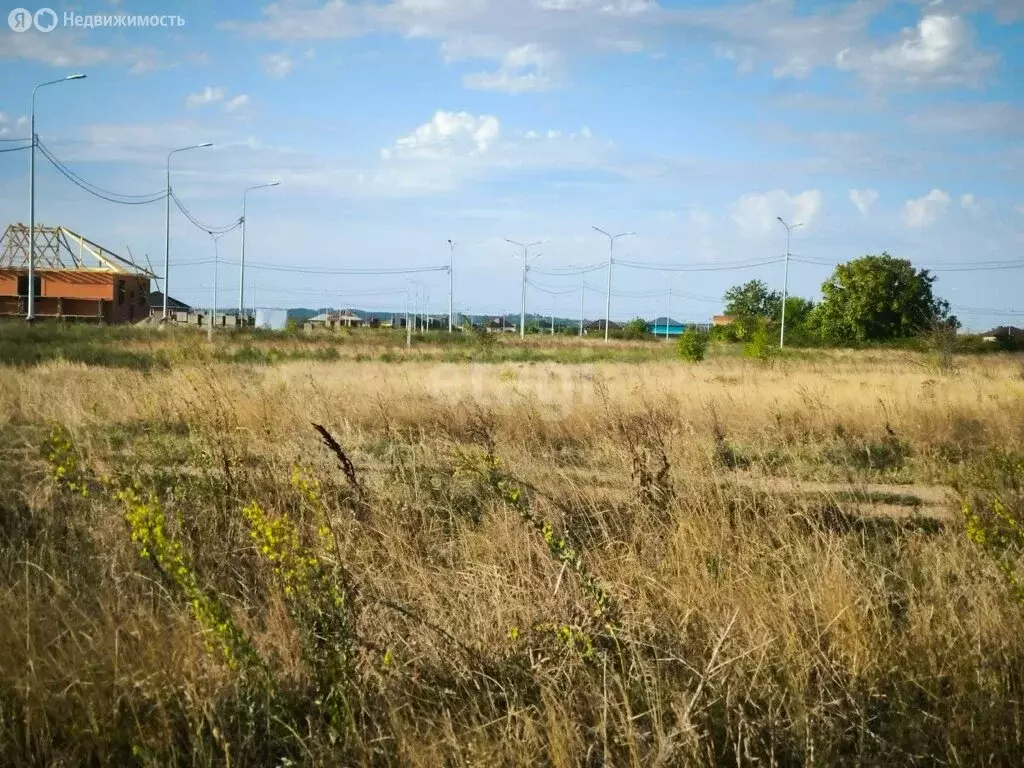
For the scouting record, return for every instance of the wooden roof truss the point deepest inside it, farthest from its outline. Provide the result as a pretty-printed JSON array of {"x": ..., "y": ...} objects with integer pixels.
[{"x": 61, "y": 248}]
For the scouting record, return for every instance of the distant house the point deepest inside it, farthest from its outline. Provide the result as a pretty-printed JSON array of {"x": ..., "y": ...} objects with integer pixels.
[
  {"x": 1004, "y": 333},
  {"x": 156, "y": 304},
  {"x": 665, "y": 326},
  {"x": 722, "y": 320},
  {"x": 335, "y": 319},
  {"x": 598, "y": 325}
]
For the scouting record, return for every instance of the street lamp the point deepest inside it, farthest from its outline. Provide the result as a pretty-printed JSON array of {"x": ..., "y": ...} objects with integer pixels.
[
  {"x": 451, "y": 283},
  {"x": 30, "y": 310},
  {"x": 611, "y": 260},
  {"x": 526, "y": 268},
  {"x": 167, "y": 219},
  {"x": 241, "y": 275},
  {"x": 213, "y": 313},
  {"x": 785, "y": 282}
]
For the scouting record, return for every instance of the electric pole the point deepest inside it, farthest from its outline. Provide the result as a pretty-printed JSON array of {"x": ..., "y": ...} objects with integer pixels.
[{"x": 611, "y": 260}]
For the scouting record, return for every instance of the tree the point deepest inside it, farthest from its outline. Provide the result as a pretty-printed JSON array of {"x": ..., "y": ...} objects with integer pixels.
[
  {"x": 753, "y": 300},
  {"x": 877, "y": 298},
  {"x": 634, "y": 329},
  {"x": 692, "y": 345},
  {"x": 798, "y": 311},
  {"x": 749, "y": 303}
]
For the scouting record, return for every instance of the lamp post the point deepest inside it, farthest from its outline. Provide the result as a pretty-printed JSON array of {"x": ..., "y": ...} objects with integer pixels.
[
  {"x": 31, "y": 308},
  {"x": 526, "y": 268},
  {"x": 451, "y": 284},
  {"x": 785, "y": 280},
  {"x": 216, "y": 261},
  {"x": 167, "y": 221},
  {"x": 241, "y": 274},
  {"x": 611, "y": 260}
]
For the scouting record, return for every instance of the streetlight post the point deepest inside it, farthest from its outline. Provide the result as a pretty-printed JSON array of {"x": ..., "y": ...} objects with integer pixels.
[
  {"x": 408, "y": 328},
  {"x": 167, "y": 221},
  {"x": 668, "y": 317},
  {"x": 785, "y": 280},
  {"x": 241, "y": 274},
  {"x": 526, "y": 267},
  {"x": 31, "y": 308},
  {"x": 451, "y": 285},
  {"x": 611, "y": 260},
  {"x": 216, "y": 261}
]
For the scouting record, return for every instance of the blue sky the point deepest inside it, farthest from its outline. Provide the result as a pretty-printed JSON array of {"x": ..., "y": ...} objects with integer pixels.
[{"x": 394, "y": 125}]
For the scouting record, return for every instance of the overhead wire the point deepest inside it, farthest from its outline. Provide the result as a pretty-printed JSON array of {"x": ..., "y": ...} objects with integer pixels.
[
  {"x": 94, "y": 189},
  {"x": 16, "y": 149},
  {"x": 208, "y": 228}
]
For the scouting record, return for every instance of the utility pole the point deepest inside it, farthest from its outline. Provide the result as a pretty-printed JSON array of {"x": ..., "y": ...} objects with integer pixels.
[
  {"x": 167, "y": 222},
  {"x": 611, "y": 260},
  {"x": 552, "y": 325},
  {"x": 213, "y": 312},
  {"x": 408, "y": 327},
  {"x": 526, "y": 268},
  {"x": 30, "y": 310},
  {"x": 241, "y": 274},
  {"x": 451, "y": 285},
  {"x": 668, "y": 317},
  {"x": 785, "y": 282}
]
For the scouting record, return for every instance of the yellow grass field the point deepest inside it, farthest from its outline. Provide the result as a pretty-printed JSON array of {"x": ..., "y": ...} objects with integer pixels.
[{"x": 527, "y": 563}]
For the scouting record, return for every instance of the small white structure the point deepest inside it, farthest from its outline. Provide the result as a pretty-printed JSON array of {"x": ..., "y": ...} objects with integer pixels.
[{"x": 272, "y": 319}]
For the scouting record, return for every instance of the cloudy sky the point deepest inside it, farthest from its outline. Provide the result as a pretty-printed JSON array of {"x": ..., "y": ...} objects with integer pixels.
[{"x": 396, "y": 125}]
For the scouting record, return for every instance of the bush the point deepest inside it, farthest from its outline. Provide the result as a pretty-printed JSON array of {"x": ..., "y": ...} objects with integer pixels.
[
  {"x": 761, "y": 345},
  {"x": 692, "y": 345},
  {"x": 634, "y": 330}
]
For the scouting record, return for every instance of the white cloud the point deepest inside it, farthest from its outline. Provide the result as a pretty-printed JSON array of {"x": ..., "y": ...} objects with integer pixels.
[
  {"x": 864, "y": 199},
  {"x": 792, "y": 41},
  {"x": 236, "y": 103},
  {"x": 756, "y": 213},
  {"x": 925, "y": 211},
  {"x": 993, "y": 117},
  {"x": 939, "y": 50},
  {"x": 277, "y": 65},
  {"x": 448, "y": 133},
  {"x": 969, "y": 202},
  {"x": 6, "y": 123},
  {"x": 206, "y": 96},
  {"x": 524, "y": 68}
]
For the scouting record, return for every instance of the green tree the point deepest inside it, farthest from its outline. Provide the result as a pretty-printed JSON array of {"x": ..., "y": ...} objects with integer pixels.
[
  {"x": 748, "y": 303},
  {"x": 877, "y": 298},
  {"x": 798, "y": 311},
  {"x": 634, "y": 329},
  {"x": 753, "y": 300},
  {"x": 692, "y": 345}
]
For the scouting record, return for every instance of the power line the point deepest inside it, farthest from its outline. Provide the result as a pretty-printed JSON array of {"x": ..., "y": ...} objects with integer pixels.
[
  {"x": 208, "y": 228},
  {"x": 949, "y": 266},
  {"x": 27, "y": 138},
  {"x": 16, "y": 149},
  {"x": 93, "y": 189},
  {"x": 701, "y": 266}
]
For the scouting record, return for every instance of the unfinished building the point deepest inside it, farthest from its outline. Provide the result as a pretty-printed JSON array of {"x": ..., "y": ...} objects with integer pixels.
[{"x": 75, "y": 278}]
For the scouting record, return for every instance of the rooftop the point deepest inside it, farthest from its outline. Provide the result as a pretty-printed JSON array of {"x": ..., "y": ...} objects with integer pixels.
[{"x": 58, "y": 248}]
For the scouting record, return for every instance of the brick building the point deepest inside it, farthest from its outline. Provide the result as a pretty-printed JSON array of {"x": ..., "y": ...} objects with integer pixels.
[{"x": 75, "y": 278}]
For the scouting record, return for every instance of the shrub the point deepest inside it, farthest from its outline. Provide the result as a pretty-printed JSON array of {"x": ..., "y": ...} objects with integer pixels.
[
  {"x": 634, "y": 330},
  {"x": 692, "y": 345},
  {"x": 761, "y": 346}
]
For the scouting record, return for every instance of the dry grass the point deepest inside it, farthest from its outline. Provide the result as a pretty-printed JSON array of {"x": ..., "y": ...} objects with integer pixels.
[{"x": 767, "y": 611}]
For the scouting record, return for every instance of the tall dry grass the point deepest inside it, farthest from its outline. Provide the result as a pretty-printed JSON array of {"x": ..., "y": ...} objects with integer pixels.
[{"x": 755, "y": 622}]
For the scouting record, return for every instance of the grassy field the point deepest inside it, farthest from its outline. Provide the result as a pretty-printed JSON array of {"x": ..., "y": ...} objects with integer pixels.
[{"x": 511, "y": 555}]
